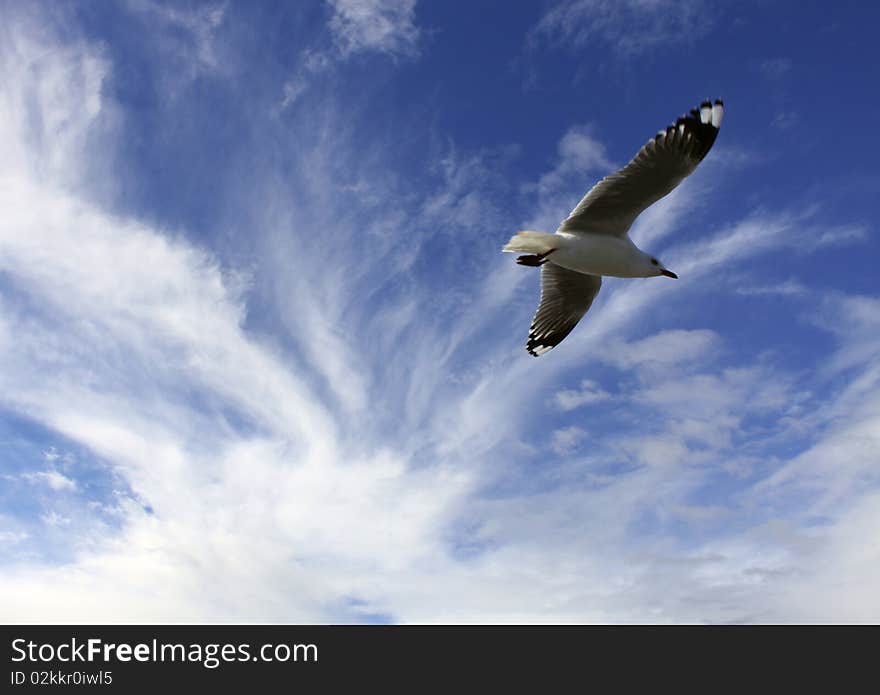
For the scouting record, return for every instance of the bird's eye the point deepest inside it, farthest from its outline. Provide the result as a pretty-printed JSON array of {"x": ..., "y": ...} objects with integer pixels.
[{"x": 654, "y": 261}]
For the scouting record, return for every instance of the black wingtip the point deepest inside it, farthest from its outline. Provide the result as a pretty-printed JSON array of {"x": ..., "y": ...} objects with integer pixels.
[
  {"x": 700, "y": 124},
  {"x": 532, "y": 344},
  {"x": 538, "y": 346}
]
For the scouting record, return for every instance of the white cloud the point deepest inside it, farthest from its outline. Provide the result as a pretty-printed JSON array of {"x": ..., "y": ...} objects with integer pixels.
[
  {"x": 192, "y": 41},
  {"x": 589, "y": 392},
  {"x": 628, "y": 27},
  {"x": 832, "y": 236},
  {"x": 357, "y": 27},
  {"x": 386, "y": 26},
  {"x": 292, "y": 90},
  {"x": 662, "y": 350},
  {"x": 123, "y": 327},
  {"x": 11, "y": 538},
  {"x": 55, "y": 480},
  {"x": 789, "y": 288},
  {"x": 842, "y": 556},
  {"x": 53, "y": 518},
  {"x": 564, "y": 441},
  {"x": 38, "y": 131}
]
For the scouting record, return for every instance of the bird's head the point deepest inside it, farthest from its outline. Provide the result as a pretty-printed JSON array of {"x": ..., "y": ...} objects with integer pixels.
[{"x": 657, "y": 268}]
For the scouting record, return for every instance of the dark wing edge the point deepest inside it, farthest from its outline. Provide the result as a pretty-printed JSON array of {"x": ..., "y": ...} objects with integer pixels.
[
  {"x": 612, "y": 205},
  {"x": 566, "y": 296}
]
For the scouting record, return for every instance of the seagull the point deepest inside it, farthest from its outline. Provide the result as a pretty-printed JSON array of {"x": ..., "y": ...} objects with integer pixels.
[{"x": 593, "y": 241}]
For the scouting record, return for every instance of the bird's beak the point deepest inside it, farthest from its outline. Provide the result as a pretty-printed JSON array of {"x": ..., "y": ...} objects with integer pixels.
[{"x": 669, "y": 274}]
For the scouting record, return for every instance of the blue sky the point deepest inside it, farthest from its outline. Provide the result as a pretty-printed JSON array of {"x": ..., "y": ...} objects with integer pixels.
[{"x": 261, "y": 358}]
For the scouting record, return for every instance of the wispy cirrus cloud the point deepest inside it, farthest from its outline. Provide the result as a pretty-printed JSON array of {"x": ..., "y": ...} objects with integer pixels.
[
  {"x": 189, "y": 34},
  {"x": 775, "y": 68},
  {"x": 55, "y": 480},
  {"x": 789, "y": 287},
  {"x": 628, "y": 28},
  {"x": 588, "y": 393},
  {"x": 385, "y": 27}
]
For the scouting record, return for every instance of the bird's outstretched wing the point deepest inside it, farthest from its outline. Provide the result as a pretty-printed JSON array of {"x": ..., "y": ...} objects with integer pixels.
[
  {"x": 612, "y": 205},
  {"x": 565, "y": 297}
]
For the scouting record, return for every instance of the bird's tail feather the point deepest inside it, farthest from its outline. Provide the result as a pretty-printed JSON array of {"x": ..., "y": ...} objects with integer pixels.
[{"x": 532, "y": 242}]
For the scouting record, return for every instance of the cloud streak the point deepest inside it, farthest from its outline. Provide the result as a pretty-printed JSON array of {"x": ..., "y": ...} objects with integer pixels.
[
  {"x": 357, "y": 27},
  {"x": 629, "y": 28}
]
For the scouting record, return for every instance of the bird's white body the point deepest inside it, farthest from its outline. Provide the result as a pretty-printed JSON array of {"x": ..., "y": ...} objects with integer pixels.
[{"x": 602, "y": 254}]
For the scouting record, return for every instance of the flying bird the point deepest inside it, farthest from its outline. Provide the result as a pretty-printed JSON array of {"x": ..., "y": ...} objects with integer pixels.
[{"x": 593, "y": 241}]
